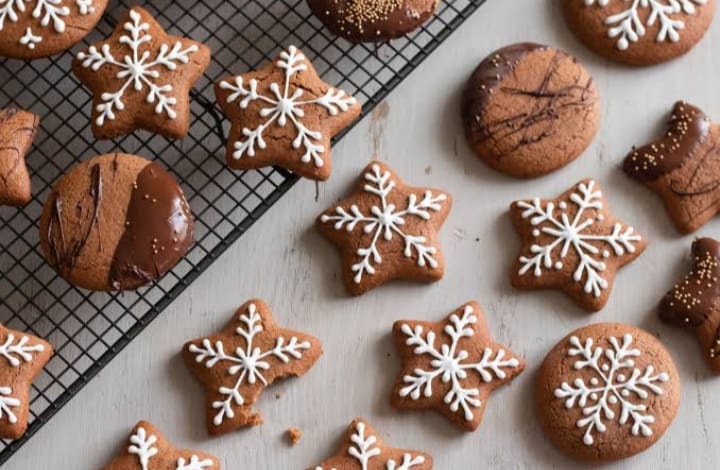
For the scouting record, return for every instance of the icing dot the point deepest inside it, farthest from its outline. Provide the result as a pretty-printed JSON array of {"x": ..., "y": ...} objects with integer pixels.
[
  {"x": 612, "y": 399},
  {"x": 621, "y": 377},
  {"x": 625, "y": 393},
  {"x": 536, "y": 233},
  {"x": 605, "y": 367},
  {"x": 562, "y": 205},
  {"x": 594, "y": 396},
  {"x": 594, "y": 381},
  {"x": 558, "y": 265},
  {"x": 606, "y": 254}
]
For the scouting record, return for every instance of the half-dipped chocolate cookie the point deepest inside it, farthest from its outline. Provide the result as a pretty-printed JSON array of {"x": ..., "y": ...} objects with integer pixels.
[
  {"x": 115, "y": 222},
  {"x": 373, "y": 20},
  {"x": 529, "y": 109}
]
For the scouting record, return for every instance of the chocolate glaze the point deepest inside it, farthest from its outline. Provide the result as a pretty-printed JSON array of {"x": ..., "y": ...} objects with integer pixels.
[
  {"x": 692, "y": 301},
  {"x": 688, "y": 128},
  {"x": 158, "y": 230}
]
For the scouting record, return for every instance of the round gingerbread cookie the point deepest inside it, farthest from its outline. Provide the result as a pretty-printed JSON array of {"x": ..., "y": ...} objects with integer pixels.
[
  {"x": 373, "y": 20},
  {"x": 529, "y": 109},
  {"x": 639, "y": 32},
  {"x": 30, "y": 29},
  {"x": 115, "y": 222},
  {"x": 606, "y": 392}
]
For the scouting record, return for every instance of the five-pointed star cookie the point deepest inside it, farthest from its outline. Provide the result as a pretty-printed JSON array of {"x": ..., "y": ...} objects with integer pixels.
[
  {"x": 141, "y": 77},
  {"x": 284, "y": 115},
  {"x": 362, "y": 449},
  {"x": 17, "y": 130},
  {"x": 237, "y": 364},
  {"x": 572, "y": 243},
  {"x": 22, "y": 357},
  {"x": 387, "y": 230},
  {"x": 148, "y": 450},
  {"x": 693, "y": 302},
  {"x": 451, "y": 366},
  {"x": 682, "y": 167}
]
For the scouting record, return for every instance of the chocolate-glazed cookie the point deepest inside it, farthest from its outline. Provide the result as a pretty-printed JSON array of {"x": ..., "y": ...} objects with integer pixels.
[
  {"x": 115, "y": 222},
  {"x": 372, "y": 20},
  {"x": 17, "y": 130},
  {"x": 529, "y": 109}
]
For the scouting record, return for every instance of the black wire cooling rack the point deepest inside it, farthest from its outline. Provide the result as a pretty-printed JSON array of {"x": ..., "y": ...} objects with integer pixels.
[{"x": 88, "y": 329}]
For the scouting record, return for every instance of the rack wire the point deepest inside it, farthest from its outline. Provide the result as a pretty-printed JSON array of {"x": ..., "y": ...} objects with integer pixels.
[{"x": 88, "y": 329}]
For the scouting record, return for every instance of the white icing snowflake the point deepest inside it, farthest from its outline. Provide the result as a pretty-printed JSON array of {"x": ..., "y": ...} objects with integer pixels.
[
  {"x": 363, "y": 449},
  {"x": 248, "y": 363},
  {"x": 384, "y": 220},
  {"x": 615, "y": 381},
  {"x": 573, "y": 232},
  {"x": 15, "y": 353},
  {"x": 628, "y": 27},
  {"x": 448, "y": 364},
  {"x": 45, "y": 11},
  {"x": 283, "y": 107},
  {"x": 143, "y": 445},
  {"x": 137, "y": 69}
]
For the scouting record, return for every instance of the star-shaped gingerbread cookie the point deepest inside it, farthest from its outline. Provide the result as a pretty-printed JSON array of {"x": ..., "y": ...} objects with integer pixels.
[
  {"x": 141, "y": 77},
  {"x": 17, "y": 130},
  {"x": 362, "y": 449},
  {"x": 237, "y": 364},
  {"x": 572, "y": 243},
  {"x": 284, "y": 115},
  {"x": 693, "y": 302},
  {"x": 682, "y": 167},
  {"x": 22, "y": 358},
  {"x": 148, "y": 450},
  {"x": 387, "y": 230},
  {"x": 451, "y": 366}
]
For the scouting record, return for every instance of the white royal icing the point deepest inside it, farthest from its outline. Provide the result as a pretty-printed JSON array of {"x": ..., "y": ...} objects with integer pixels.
[
  {"x": 283, "y": 107},
  {"x": 46, "y": 12},
  {"x": 247, "y": 363},
  {"x": 615, "y": 381},
  {"x": 448, "y": 364},
  {"x": 385, "y": 219},
  {"x": 137, "y": 69},
  {"x": 627, "y": 26},
  {"x": 143, "y": 446},
  {"x": 15, "y": 353},
  {"x": 364, "y": 449},
  {"x": 574, "y": 232}
]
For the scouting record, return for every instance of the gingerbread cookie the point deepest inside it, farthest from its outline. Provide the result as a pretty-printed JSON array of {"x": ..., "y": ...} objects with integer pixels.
[
  {"x": 606, "y": 392},
  {"x": 30, "y": 29},
  {"x": 141, "y": 78},
  {"x": 639, "y": 32},
  {"x": 693, "y": 302},
  {"x": 115, "y": 222},
  {"x": 362, "y": 449},
  {"x": 572, "y": 243},
  {"x": 681, "y": 167},
  {"x": 284, "y": 115},
  {"x": 149, "y": 450},
  {"x": 22, "y": 358},
  {"x": 373, "y": 20},
  {"x": 451, "y": 366},
  {"x": 530, "y": 109},
  {"x": 387, "y": 230},
  {"x": 17, "y": 131},
  {"x": 237, "y": 364}
]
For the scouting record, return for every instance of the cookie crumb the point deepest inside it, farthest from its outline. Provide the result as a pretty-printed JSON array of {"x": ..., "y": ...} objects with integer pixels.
[{"x": 294, "y": 435}]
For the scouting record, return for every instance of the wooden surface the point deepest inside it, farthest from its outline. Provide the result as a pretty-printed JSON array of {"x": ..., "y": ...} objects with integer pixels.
[{"x": 283, "y": 260}]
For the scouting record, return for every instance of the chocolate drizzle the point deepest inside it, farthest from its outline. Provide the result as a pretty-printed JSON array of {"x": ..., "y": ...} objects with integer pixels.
[
  {"x": 158, "y": 230},
  {"x": 687, "y": 130}
]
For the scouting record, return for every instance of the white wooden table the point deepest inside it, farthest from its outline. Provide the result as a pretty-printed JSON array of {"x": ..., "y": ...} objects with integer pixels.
[{"x": 283, "y": 260}]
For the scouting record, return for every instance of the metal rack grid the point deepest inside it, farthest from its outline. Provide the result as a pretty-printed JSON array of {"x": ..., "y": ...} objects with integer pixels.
[{"x": 88, "y": 329}]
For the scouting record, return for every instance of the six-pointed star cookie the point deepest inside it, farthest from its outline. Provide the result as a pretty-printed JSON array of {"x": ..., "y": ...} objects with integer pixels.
[
  {"x": 693, "y": 302},
  {"x": 22, "y": 357},
  {"x": 284, "y": 115},
  {"x": 17, "y": 130},
  {"x": 387, "y": 230},
  {"x": 572, "y": 243},
  {"x": 451, "y": 366},
  {"x": 149, "y": 450},
  {"x": 682, "y": 167},
  {"x": 362, "y": 449},
  {"x": 237, "y": 364},
  {"x": 141, "y": 77}
]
